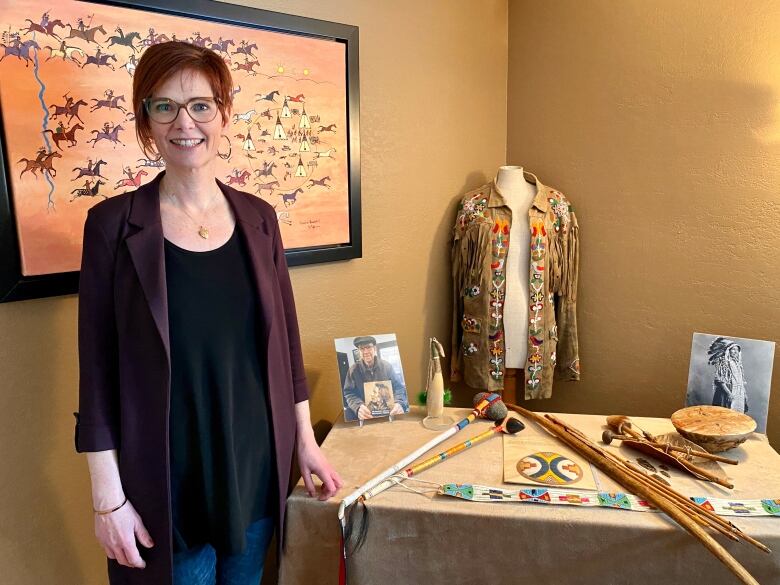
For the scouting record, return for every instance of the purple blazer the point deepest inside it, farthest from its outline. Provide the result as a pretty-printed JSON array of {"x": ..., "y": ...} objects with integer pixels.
[{"x": 124, "y": 354}]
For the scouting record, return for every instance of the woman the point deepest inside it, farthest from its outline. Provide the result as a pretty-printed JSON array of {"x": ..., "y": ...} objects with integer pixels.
[{"x": 192, "y": 389}]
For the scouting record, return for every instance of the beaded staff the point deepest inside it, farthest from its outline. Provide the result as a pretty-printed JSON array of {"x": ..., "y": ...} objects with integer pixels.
[
  {"x": 508, "y": 425},
  {"x": 480, "y": 409}
]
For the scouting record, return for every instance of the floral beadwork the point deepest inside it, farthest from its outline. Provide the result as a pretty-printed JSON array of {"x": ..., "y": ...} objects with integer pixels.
[
  {"x": 561, "y": 210},
  {"x": 471, "y": 325},
  {"x": 497, "y": 372},
  {"x": 470, "y": 349},
  {"x": 472, "y": 291},
  {"x": 536, "y": 304},
  {"x": 472, "y": 210},
  {"x": 497, "y": 350},
  {"x": 500, "y": 238}
]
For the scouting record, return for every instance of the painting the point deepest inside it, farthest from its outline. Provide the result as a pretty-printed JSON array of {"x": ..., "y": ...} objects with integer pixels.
[
  {"x": 68, "y": 134},
  {"x": 538, "y": 459},
  {"x": 732, "y": 372}
]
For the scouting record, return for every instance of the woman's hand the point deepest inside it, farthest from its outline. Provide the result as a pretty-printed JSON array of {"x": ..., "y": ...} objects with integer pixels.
[
  {"x": 312, "y": 461},
  {"x": 117, "y": 533}
]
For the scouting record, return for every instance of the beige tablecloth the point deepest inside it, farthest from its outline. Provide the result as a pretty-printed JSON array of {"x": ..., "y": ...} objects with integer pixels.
[{"x": 427, "y": 539}]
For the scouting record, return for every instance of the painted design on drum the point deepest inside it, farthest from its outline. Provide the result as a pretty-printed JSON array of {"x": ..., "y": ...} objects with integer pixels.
[{"x": 549, "y": 468}]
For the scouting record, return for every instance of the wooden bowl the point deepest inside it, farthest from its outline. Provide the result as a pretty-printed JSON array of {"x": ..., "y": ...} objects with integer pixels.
[{"x": 713, "y": 427}]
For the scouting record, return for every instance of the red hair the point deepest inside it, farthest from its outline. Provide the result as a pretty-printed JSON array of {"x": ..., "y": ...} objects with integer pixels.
[{"x": 158, "y": 63}]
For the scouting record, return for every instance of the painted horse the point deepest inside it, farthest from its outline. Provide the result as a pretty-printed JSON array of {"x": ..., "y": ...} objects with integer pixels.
[
  {"x": 67, "y": 54},
  {"x": 238, "y": 179},
  {"x": 45, "y": 165},
  {"x": 113, "y": 103},
  {"x": 135, "y": 182},
  {"x": 72, "y": 111},
  {"x": 249, "y": 67},
  {"x": 94, "y": 172},
  {"x": 21, "y": 51},
  {"x": 269, "y": 97},
  {"x": 93, "y": 191},
  {"x": 222, "y": 46},
  {"x": 124, "y": 40},
  {"x": 46, "y": 30},
  {"x": 290, "y": 198},
  {"x": 87, "y": 34},
  {"x": 100, "y": 61},
  {"x": 69, "y": 136},
  {"x": 266, "y": 171},
  {"x": 245, "y": 49},
  {"x": 111, "y": 136}
]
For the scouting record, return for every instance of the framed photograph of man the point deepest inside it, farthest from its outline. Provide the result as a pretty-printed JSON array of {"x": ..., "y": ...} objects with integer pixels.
[
  {"x": 372, "y": 378},
  {"x": 732, "y": 372}
]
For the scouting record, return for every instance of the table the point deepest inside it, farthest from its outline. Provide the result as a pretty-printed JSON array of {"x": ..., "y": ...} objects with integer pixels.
[{"x": 414, "y": 538}]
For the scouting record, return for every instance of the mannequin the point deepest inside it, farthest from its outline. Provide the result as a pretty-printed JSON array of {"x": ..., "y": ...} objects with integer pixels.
[
  {"x": 515, "y": 266},
  {"x": 518, "y": 194}
]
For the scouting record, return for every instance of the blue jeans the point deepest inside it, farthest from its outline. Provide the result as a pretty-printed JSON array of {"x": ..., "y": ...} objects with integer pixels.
[{"x": 202, "y": 565}]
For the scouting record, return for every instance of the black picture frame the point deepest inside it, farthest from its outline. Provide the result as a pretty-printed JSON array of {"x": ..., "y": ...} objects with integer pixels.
[{"x": 14, "y": 286}]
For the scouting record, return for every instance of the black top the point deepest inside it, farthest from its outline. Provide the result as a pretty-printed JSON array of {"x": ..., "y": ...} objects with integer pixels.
[{"x": 220, "y": 441}]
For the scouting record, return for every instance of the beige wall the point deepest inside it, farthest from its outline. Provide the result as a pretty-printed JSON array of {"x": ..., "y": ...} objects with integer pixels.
[
  {"x": 433, "y": 124},
  {"x": 661, "y": 121}
]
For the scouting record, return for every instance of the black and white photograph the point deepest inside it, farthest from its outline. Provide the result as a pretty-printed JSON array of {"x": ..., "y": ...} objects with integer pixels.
[
  {"x": 731, "y": 372},
  {"x": 372, "y": 378}
]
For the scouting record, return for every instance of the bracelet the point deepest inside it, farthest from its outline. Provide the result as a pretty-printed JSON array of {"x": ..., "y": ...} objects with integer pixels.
[{"x": 104, "y": 512}]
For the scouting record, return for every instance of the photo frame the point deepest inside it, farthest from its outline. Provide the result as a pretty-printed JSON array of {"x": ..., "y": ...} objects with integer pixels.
[
  {"x": 371, "y": 377},
  {"x": 293, "y": 138},
  {"x": 731, "y": 372}
]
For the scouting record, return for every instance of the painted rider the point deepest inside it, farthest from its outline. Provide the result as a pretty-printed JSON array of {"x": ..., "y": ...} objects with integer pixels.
[
  {"x": 80, "y": 25},
  {"x": 106, "y": 128},
  {"x": 68, "y": 99},
  {"x": 151, "y": 36},
  {"x": 109, "y": 93},
  {"x": 88, "y": 185},
  {"x": 60, "y": 128},
  {"x": 97, "y": 56},
  {"x": 41, "y": 154},
  {"x": 129, "y": 172},
  {"x": 89, "y": 166},
  {"x": 45, "y": 19}
]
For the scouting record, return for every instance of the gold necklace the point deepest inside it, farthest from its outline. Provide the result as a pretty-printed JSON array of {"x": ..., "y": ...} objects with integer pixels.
[{"x": 203, "y": 231}]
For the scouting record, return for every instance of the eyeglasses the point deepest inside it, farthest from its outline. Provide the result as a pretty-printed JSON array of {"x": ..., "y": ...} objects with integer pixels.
[{"x": 165, "y": 110}]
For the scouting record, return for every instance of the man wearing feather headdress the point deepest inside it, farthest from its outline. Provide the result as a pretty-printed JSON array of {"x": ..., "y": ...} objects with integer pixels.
[{"x": 729, "y": 382}]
